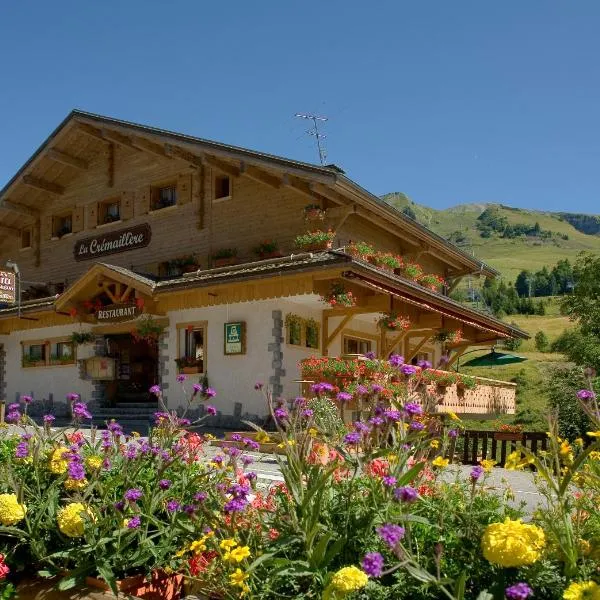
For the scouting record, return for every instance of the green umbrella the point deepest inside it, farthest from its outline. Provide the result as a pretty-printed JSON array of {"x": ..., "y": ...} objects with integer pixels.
[{"x": 494, "y": 359}]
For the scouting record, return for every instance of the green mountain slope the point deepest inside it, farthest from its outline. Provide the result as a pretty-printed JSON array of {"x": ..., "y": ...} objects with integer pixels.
[{"x": 562, "y": 234}]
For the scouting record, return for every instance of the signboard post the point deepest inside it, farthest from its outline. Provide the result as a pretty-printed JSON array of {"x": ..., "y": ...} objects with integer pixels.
[
  {"x": 8, "y": 287},
  {"x": 235, "y": 338}
]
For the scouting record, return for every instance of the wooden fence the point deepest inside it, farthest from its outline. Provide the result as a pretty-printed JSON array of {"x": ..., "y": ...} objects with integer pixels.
[{"x": 479, "y": 445}]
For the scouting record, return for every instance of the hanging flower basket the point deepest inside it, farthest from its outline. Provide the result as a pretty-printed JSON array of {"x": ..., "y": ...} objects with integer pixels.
[
  {"x": 338, "y": 296},
  {"x": 313, "y": 212},
  {"x": 393, "y": 322},
  {"x": 147, "y": 330}
]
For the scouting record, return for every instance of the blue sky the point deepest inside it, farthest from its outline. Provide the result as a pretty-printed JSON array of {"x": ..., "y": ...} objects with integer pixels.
[{"x": 449, "y": 102}]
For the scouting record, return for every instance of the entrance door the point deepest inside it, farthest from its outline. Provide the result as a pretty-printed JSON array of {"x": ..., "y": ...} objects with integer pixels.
[{"x": 136, "y": 369}]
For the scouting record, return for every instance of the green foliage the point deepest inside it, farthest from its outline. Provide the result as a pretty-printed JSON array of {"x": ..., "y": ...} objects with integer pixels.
[{"x": 541, "y": 341}]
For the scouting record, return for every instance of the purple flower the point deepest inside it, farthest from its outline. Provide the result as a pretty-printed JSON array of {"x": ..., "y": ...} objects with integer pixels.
[
  {"x": 369, "y": 355},
  {"x": 218, "y": 459},
  {"x": 134, "y": 522},
  {"x": 22, "y": 450},
  {"x": 390, "y": 534},
  {"x": 453, "y": 433},
  {"x": 476, "y": 473},
  {"x": 424, "y": 364},
  {"x": 300, "y": 401},
  {"x": 236, "y": 437},
  {"x": 361, "y": 427},
  {"x": 259, "y": 385},
  {"x": 49, "y": 419},
  {"x": 372, "y": 564},
  {"x": 321, "y": 388},
  {"x": 131, "y": 452},
  {"x": 412, "y": 408},
  {"x": 396, "y": 360},
  {"x": 408, "y": 370},
  {"x": 235, "y": 505},
  {"x": 14, "y": 406},
  {"x": 376, "y": 421},
  {"x": 164, "y": 484},
  {"x": 160, "y": 417},
  {"x": 252, "y": 444},
  {"x": 76, "y": 470},
  {"x": 406, "y": 494},
  {"x": 247, "y": 460},
  {"x": 416, "y": 426},
  {"x": 376, "y": 388},
  {"x": 281, "y": 414},
  {"x": 197, "y": 388},
  {"x": 173, "y": 506},
  {"x": 233, "y": 452},
  {"x": 586, "y": 395},
  {"x": 307, "y": 413},
  {"x": 200, "y": 497},
  {"x": 80, "y": 411},
  {"x": 72, "y": 397},
  {"x": 115, "y": 428},
  {"x": 181, "y": 378},
  {"x": 189, "y": 509},
  {"x": 344, "y": 397},
  {"x": 250, "y": 476},
  {"x": 389, "y": 481},
  {"x": 26, "y": 399},
  {"x": 133, "y": 494},
  {"x": 362, "y": 390},
  {"x": 210, "y": 392},
  {"x": 155, "y": 389},
  {"x": 392, "y": 415},
  {"x": 352, "y": 438},
  {"x": 119, "y": 506},
  {"x": 14, "y": 416},
  {"x": 518, "y": 591},
  {"x": 211, "y": 410}
]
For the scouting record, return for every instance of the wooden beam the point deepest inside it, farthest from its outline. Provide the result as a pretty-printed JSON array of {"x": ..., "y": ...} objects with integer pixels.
[
  {"x": 148, "y": 146},
  {"x": 111, "y": 165},
  {"x": 66, "y": 159},
  {"x": 119, "y": 138},
  {"x": 414, "y": 351},
  {"x": 324, "y": 332},
  {"x": 455, "y": 282},
  {"x": 19, "y": 209},
  {"x": 345, "y": 213},
  {"x": 430, "y": 320},
  {"x": 259, "y": 175},
  {"x": 395, "y": 341},
  {"x": 182, "y": 154},
  {"x": 109, "y": 293},
  {"x": 42, "y": 184},
  {"x": 221, "y": 166},
  {"x": 10, "y": 230},
  {"x": 338, "y": 329},
  {"x": 455, "y": 357},
  {"x": 330, "y": 194},
  {"x": 91, "y": 131}
]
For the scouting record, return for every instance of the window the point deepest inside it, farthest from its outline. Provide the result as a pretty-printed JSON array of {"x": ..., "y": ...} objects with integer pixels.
[
  {"x": 109, "y": 211},
  {"x": 164, "y": 196},
  {"x": 353, "y": 345},
  {"x": 294, "y": 333},
  {"x": 26, "y": 238},
  {"x": 302, "y": 332},
  {"x": 222, "y": 187},
  {"x": 192, "y": 347},
  {"x": 48, "y": 353},
  {"x": 62, "y": 225},
  {"x": 312, "y": 334}
]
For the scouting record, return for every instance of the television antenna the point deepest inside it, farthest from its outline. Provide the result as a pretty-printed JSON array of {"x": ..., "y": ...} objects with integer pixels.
[{"x": 314, "y": 131}]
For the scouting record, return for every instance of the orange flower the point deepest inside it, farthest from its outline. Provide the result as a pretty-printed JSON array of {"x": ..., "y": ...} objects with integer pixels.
[{"x": 379, "y": 467}]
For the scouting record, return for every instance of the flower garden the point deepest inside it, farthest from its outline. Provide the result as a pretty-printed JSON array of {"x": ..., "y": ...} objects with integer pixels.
[{"x": 369, "y": 509}]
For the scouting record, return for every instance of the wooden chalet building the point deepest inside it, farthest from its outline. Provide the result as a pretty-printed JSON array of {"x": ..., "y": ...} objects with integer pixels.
[{"x": 116, "y": 227}]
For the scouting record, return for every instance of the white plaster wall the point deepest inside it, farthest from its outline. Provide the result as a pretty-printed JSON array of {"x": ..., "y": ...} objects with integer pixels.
[{"x": 40, "y": 382}]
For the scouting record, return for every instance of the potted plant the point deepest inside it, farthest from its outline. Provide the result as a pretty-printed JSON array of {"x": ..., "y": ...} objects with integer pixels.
[
  {"x": 225, "y": 257},
  {"x": 314, "y": 212},
  {"x": 339, "y": 296},
  {"x": 465, "y": 382},
  {"x": 80, "y": 338},
  {"x": 411, "y": 270},
  {"x": 188, "y": 264},
  {"x": 393, "y": 322},
  {"x": 188, "y": 365},
  {"x": 448, "y": 336},
  {"x": 513, "y": 433},
  {"x": 315, "y": 241},
  {"x": 432, "y": 282},
  {"x": 360, "y": 250},
  {"x": 268, "y": 249},
  {"x": 147, "y": 330},
  {"x": 386, "y": 260}
]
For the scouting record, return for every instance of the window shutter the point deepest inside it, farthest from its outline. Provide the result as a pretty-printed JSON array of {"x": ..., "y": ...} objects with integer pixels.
[
  {"x": 184, "y": 188},
  {"x": 47, "y": 228},
  {"x": 127, "y": 202},
  {"x": 145, "y": 195},
  {"x": 92, "y": 215},
  {"x": 78, "y": 216}
]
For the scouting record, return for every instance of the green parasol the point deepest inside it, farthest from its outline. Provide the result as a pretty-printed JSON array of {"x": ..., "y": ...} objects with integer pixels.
[{"x": 494, "y": 359}]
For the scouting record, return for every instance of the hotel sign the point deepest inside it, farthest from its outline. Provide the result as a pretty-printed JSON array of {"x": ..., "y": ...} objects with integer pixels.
[
  {"x": 8, "y": 287},
  {"x": 113, "y": 242},
  {"x": 115, "y": 313}
]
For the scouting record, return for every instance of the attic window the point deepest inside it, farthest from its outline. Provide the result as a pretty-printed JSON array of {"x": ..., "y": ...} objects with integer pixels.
[
  {"x": 109, "y": 211},
  {"x": 26, "y": 238},
  {"x": 62, "y": 225},
  {"x": 222, "y": 187},
  {"x": 164, "y": 196}
]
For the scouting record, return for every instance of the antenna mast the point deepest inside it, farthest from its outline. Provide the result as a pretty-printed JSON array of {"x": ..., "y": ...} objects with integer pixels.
[{"x": 315, "y": 132}]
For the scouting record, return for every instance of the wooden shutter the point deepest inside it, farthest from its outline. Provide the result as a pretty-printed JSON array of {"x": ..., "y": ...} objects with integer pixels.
[
  {"x": 92, "y": 215},
  {"x": 78, "y": 216},
  {"x": 47, "y": 228},
  {"x": 184, "y": 188},
  {"x": 145, "y": 195},
  {"x": 127, "y": 202}
]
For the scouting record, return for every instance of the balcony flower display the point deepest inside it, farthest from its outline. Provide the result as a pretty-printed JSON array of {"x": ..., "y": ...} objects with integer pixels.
[
  {"x": 225, "y": 257},
  {"x": 339, "y": 296},
  {"x": 314, "y": 212},
  {"x": 268, "y": 249},
  {"x": 449, "y": 337},
  {"x": 432, "y": 282},
  {"x": 386, "y": 260},
  {"x": 412, "y": 270},
  {"x": 393, "y": 322},
  {"x": 360, "y": 250},
  {"x": 314, "y": 241}
]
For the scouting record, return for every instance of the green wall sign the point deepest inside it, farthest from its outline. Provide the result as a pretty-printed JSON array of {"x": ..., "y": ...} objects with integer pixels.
[{"x": 235, "y": 338}]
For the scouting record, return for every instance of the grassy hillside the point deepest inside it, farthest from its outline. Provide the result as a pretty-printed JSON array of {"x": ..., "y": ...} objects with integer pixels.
[{"x": 509, "y": 256}]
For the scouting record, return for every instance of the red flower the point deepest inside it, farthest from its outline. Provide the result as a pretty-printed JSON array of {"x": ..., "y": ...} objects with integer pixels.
[
  {"x": 273, "y": 534},
  {"x": 73, "y": 312},
  {"x": 201, "y": 562},
  {"x": 4, "y": 570}
]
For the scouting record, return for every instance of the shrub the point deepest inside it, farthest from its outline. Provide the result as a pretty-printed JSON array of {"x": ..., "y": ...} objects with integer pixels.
[{"x": 541, "y": 341}]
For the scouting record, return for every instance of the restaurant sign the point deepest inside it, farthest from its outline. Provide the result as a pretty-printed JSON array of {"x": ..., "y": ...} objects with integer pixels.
[
  {"x": 8, "y": 287},
  {"x": 113, "y": 242},
  {"x": 115, "y": 313}
]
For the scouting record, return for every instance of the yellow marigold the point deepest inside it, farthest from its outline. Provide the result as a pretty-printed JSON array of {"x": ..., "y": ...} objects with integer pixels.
[
  {"x": 440, "y": 461},
  {"x": 578, "y": 442},
  {"x": 262, "y": 437},
  {"x": 453, "y": 416},
  {"x": 586, "y": 590},
  {"x": 11, "y": 512},
  {"x": 312, "y": 432},
  {"x": 595, "y": 455},
  {"x": 198, "y": 546},
  {"x": 512, "y": 543},
  {"x": 93, "y": 463},
  {"x": 238, "y": 578},
  {"x": 58, "y": 464},
  {"x": 348, "y": 579},
  {"x": 434, "y": 443},
  {"x": 593, "y": 434},
  {"x": 71, "y": 519},
  {"x": 228, "y": 544},
  {"x": 514, "y": 462},
  {"x": 487, "y": 464},
  {"x": 237, "y": 554},
  {"x": 75, "y": 484}
]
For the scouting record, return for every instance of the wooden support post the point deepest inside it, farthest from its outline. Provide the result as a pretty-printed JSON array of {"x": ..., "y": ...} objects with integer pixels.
[
  {"x": 382, "y": 346},
  {"x": 395, "y": 341},
  {"x": 414, "y": 351},
  {"x": 457, "y": 354},
  {"x": 111, "y": 165},
  {"x": 339, "y": 328},
  {"x": 37, "y": 238},
  {"x": 325, "y": 332}
]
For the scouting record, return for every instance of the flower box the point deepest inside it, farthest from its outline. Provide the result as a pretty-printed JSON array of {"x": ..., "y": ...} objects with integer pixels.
[
  {"x": 190, "y": 370},
  {"x": 318, "y": 246},
  {"x": 509, "y": 436},
  {"x": 160, "y": 586},
  {"x": 314, "y": 214},
  {"x": 226, "y": 261},
  {"x": 190, "y": 268},
  {"x": 274, "y": 254}
]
